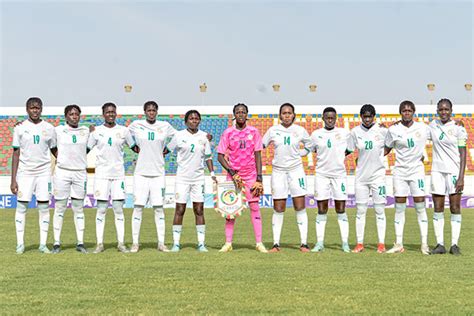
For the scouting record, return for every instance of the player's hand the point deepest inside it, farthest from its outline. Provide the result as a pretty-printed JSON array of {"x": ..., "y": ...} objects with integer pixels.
[
  {"x": 91, "y": 128},
  {"x": 382, "y": 125},
  {"x": 257, "y": 189},
  {"x": 136, "y": 149},
  {"x": 397, "y": 122},
  {"x": 214, "y": 178},
  {"x": 239, "y": 184},
  {"x": 209, "y": 137},
  {"x": 459, "y": 186},
  {"x": 14, "y": 187},
  {"x": 459, "y": 123},
  {"x": 18, "y": 123}
]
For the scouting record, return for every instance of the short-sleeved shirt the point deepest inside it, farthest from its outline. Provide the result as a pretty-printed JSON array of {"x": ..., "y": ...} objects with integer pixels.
[
  {"x": 240, "y": 147},
  {"x": 72, "y": 147},
  {"x": 110, "y": 143},
  {"x": 193, "y": 150},
  {"x": 34, "y": 142},
  {"x": 152, "y": 139},
  {"x": 409, "y": 144},
  {"x": 330, "y": 146},
  {"x": 370, "y": 145},
  {"x": 446, "y": 138},
  {"x": 287, "y": 142}
]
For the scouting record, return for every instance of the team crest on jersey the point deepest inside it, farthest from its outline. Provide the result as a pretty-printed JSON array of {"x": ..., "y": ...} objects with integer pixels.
[
  {"x": 295, "y": 134},
  {"x": 82, "y": 133},
  {"x": 451, "y": 132},
  {"x": 249, "y": 137},
  {"x": 377, "y": 138},
  {"x": 118, "y": 135},
  {"x": 201, "y": 142},
  {"x": 338, "y": 137},
  {"x": 159, "y": 131},
  {"x": 417, "y": 134},
  {"x": 44, "y": 133}
]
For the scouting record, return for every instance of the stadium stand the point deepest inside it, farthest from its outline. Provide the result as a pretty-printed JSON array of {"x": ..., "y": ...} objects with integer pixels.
[{"x": 216, "y": 124}]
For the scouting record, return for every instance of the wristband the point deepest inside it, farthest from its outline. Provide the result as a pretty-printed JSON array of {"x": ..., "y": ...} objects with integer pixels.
[
  {"x": 259, "y": 178},
  {"x": 213, "y": 174}
]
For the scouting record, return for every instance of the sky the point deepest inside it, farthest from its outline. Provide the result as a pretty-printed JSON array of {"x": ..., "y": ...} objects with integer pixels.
[{"x": 356, "y": 52}]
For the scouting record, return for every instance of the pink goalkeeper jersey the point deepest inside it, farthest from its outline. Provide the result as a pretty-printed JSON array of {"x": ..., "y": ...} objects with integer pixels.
[{"x": 240, "y": 147}]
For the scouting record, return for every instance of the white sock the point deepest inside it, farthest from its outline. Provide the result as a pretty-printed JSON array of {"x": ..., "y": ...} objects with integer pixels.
[
  {"x": 277, "y": 225},
  {"x": 20, "y": 220},
  {"x": 79, "y": 219},
  {"x": 343, "y": 226},
  {"x": 302, "y": 221},
  {"x": 438, "y": 225},
  {"x": 321, "y": 220},
  {"x": 160, "y": 224},
  {"x": 119, "y": 220},
  {"x": 58, "y": 218},
  {"x": 381, "y": 221},
  {"x": 201, "y": 234},
  {"x": 136, "y": 223},
  {"x": 360, "y": 221},
  {"x": 455, "y": 228},
  {"x": 100, "y": 221},
  {"x": 399, "y": 221},
  {"x": 422, "y": 221},
  {"x": 177, "y": 229},
  {"x": 43, "y": 209}
]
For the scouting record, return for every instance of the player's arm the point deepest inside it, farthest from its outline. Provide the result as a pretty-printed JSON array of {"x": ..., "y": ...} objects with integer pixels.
[
  {"x": 462, "y": 169},
  {"x": 54, "y": 152},
  {"x": 257, "y": 188},
  {"x": 210, "y": 167},
  {"x": 15, "y": 162},
  {"x": 307, "y": 145}
]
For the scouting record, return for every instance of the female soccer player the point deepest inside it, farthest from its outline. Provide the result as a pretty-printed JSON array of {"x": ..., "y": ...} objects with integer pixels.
[
  {"x": 330, "y": 144},
  {"x": 193, "y": 149},
  {"x": 243, "y": 144},
  {"x": 288, "y": 174},
  {"x": 447, "y": 173},
  {"x": 409, "y": 139},
  {"x": 70, "y": 175},
  {"x": 149, "y": 185},
  {"x": 31, "y": 171},
  {"x": 368, "y": 138},
  {"x": 109, "y": 180}
]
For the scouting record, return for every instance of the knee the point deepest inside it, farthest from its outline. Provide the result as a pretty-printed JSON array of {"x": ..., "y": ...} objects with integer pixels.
[
  {"x": 43, "y": 207},
  {"x": 21, "y": 207}
]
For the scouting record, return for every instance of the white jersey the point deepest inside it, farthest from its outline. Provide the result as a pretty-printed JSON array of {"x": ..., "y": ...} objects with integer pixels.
[
  {"x": 446, "y": 138},
  {"x": 287, "y": 145},
  {"x": 152, "y": 139},
  {"x": 330, "y": 146},
  {"x": 370, "y": 145},
  {"x": 192, "y": 150},
  {"x": 72, "y": 147},
  {"x": 34, "y": 142},
  {"x": 109, "y": 158},
  {"x": 409, "y": 144}
]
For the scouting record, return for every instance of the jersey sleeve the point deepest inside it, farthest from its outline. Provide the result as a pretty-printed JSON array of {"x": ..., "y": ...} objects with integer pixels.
[
  {"x": 351, "y": 142},
  {"x": 129, "y": 139},
  {"x": 389, "y": 141},
  {"x": 16, "y": 137},
  {"x": 53, "y": 142},
  {"x": 172, "y": 143},
  {"x": 428, "y": 132},
  {"x": 267, "y": 138},
  {"x": 258, "y": 141},
  {"x": 462, "y": 137},
  {"x": 223, "y": 143},
  {"x": 207, "y": 150},
  {"x": 314, "y": 144},
  {"x": 92, "y": 141},
  {"x": 306, "y": 140}
]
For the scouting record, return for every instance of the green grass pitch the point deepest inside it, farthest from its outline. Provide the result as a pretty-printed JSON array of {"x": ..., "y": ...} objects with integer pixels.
[{"x": 243, "y": 281}]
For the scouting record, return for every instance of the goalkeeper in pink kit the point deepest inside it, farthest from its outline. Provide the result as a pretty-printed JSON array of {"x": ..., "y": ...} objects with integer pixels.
[{"x": 239, "y": 152}]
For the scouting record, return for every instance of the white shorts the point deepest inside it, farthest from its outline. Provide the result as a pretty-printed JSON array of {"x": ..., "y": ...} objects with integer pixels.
[
  {"x": 288, "y": 182},
  {"x": 40, "y": 186},
  {"x": 376, "y": 189},
  {"x": 149, "y": 189},
  {"x": 325, "y": 188},
  {"x": 443, "y": 183},
  {"x": 69, "y": 183},
  {"x": 105, "y": 187},
  {"x": 403, "y": 187},
  {"x": 183, "y": 191}
]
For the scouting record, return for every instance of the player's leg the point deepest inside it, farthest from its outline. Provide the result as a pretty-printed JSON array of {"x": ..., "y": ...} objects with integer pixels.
[
  {"x": 157, "y": 199},
  {"x": 118, "y": 199},
  {"x": 417, "y": 188},
  {"x": 78, "y": 193},
  {"x": 197, "y": 197},
  {"x": 322, "y": 193},
  {"x": 362, "y": 199},
  {"x": 339, "y": 187},
  {"x": 24, "y": 195},
  {"x": 438, "y": 191},
  {"x": 43, "y": 192},
  {"x": 62, "y": 187},
  {"x": 298, "y": 187},
  {"x": 455, "y": 208},
  {"x": 101, "y": 193},
  {"x": 279, "y": 183},
  {"x": 255, "y": 214},
  {"x": 379, "y": 192},
  {"x": 229, "y": 230},
  {"x": 400, "y": 191},
  {"x": 141, "y": 192},
  {"x": 182, "y": 193}
]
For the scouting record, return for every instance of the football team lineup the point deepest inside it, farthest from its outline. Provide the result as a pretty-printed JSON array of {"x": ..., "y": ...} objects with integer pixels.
[{"x": 239, "y": 153}]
